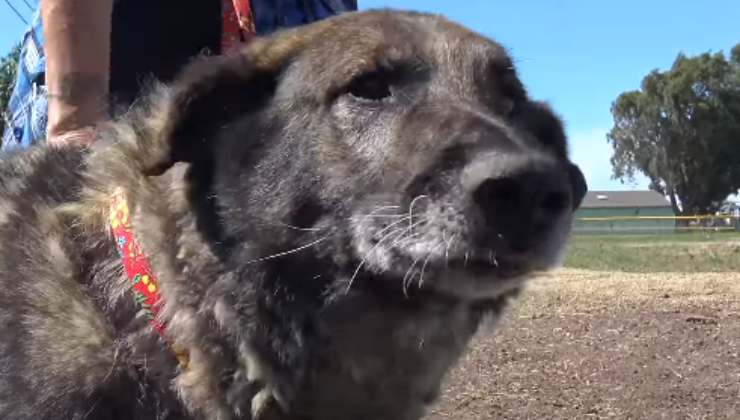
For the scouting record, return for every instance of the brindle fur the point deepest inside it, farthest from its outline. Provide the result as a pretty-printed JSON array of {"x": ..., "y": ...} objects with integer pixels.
[{"x": 243, "y": 158}]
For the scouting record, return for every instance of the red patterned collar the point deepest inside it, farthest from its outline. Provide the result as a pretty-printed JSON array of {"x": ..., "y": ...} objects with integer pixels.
[
  {"x": 136, "y": 265},
  {"x": 237, "y": 26},
  {"x": 137, "y": 268}
]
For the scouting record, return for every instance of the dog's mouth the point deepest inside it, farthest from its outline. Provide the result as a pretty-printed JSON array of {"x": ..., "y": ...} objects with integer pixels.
[
  {"x": 472, "y": 278},
  {"x": 491, "y": 266},
  {"x": 464, "y": 275}
]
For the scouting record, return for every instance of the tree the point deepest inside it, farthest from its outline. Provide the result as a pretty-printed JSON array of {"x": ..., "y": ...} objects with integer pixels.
[
  {"x": 682, "y": 130},
  {"x": 8, "y": 66}
]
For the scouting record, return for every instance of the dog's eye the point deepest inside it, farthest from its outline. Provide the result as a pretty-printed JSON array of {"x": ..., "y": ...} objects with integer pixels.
[{"x": 371, "y": 86}]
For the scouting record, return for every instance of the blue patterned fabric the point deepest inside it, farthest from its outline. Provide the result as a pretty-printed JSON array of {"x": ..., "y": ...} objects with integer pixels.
[
  {"x": 26, "y": 116},
  {"x": 25, "y": 119},
  {"x": 274, "y": 14}
]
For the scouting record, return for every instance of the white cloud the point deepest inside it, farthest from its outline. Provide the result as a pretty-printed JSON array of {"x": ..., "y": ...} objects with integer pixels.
[{"x": 591, "y": 152}]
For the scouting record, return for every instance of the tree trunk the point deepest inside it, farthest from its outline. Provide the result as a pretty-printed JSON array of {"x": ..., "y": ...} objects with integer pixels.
[
  {"x": 674, "y": 201},
  {"x": 674, "y": 205}
]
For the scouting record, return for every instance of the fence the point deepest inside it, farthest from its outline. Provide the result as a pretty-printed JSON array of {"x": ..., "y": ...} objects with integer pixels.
[{"x": 656, "y": 224}]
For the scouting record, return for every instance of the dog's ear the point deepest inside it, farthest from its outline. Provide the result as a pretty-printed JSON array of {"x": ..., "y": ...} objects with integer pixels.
[
  {"x": 208, "y": 94},
  {"x": 578, "y": 184}
]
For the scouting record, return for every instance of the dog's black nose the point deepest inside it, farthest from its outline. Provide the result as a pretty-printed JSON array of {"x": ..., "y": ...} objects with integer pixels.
[{"x": 519, "y": 208}]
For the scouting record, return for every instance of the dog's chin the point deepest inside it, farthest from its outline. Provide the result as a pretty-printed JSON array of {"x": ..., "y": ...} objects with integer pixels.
[
  {"x": 466, "y": 280},
  {"x": 474, "y": 285}
]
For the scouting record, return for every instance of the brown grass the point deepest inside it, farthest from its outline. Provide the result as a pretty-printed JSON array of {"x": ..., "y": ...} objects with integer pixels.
[{"x": 587, "y": 344}]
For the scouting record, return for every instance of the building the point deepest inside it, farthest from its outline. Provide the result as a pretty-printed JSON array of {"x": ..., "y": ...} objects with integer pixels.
[{"x": 624, "y": 212}]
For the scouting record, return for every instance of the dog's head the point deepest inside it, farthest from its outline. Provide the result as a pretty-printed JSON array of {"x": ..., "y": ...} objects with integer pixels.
[{"x": 398, "y": 148}]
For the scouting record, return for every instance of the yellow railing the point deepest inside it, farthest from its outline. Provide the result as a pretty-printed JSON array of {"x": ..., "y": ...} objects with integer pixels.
[
  {"x": 617, "y": 218},
  {"x": 705, "y": 222}
]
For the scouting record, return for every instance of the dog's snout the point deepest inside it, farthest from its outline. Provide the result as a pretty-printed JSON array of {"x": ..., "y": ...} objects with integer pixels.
[{"x": 520, "y": 206}]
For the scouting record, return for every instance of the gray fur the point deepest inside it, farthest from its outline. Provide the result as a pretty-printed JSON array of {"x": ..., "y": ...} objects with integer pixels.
[{"x": 329, "y": 214}]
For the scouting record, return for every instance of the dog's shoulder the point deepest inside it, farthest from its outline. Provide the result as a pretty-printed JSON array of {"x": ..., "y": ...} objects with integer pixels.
[
  {"x": 41, "y": 172},
  {"x": 54, "y": 339}
]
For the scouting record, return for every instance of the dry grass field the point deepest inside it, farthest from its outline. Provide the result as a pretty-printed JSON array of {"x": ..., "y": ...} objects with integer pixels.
[{"x": 642, "y": 328}]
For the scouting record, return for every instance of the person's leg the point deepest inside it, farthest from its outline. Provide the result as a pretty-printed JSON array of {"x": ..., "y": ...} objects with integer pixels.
[
  {"x": 62, "y": 80},
  {"x": 77, "y": 48}
]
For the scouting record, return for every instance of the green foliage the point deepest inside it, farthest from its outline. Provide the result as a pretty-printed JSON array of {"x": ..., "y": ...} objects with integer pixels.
[
  {"x": 682, "y": 130},
  {"x": 8, "y": 65}
]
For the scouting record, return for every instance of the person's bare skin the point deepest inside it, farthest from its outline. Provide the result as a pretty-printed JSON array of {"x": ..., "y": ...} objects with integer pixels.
[{"x": 77, "y": 48}]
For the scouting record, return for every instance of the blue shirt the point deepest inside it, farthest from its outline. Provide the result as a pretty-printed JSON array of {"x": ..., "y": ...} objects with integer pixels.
[{"x": 26, "y": 116}]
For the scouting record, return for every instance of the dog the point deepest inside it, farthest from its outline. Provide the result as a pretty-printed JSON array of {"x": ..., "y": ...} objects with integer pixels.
[{"x": 311, "y": 228}]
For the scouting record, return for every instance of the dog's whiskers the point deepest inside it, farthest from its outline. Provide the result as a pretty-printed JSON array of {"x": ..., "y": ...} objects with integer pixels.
[
  {"x": 302, "y": 229},
  {"x": 408, "y": 277},
  {"x": 423, "y": 267},
  {"x": 368, "y": 216},
  {"x": 426, "y": 261},
  {"x": 290, "y": 251},
  {"x": 411, "y": 208},
  {"x": 379, "y": 209},
  {"x": 408, "y": 233},
  {"x": 362, "y": 262},
  {"x": 492, "y": 258},
  {"x": 448, "y": 246},
  {"x": 375, "y": 211}
]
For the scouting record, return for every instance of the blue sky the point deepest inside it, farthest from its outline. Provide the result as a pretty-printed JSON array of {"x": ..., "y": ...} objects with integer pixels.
[
  {"x": 11, "y": 27},
  {"x": 576, "y": 54}
]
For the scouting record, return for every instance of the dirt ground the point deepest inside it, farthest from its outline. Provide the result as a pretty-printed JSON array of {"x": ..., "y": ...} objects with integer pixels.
[{"x": 597, "y": 345}]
